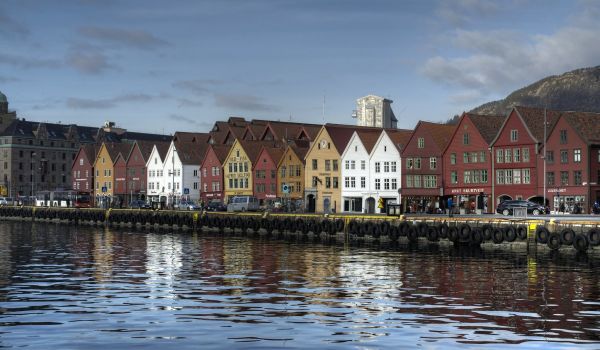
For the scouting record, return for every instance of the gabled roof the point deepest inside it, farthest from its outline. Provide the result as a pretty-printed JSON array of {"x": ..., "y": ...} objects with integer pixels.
[
  {"x": 275, "y": 153},
  {"x": 221, "y": 151},
  {"x": 191, "y": 136},
  {"x": 134, "y": 136},
  {"x": 190, "y": 153},
  {"x": 162, "y": 148},
  {"x": 29, "y": 129},
  {"x": 253, "y": 148},
  {"x": 487, "y": 125},
  {"x": 341, "y": 134},
  {"x": 311, "y": 130},
  {"x": 145, "y": 148},
  {"x": 586, "y": 124},
  {"x": 399, "y": 137},
  {"x": 115, "y": 148},
  {"x": 533, "y": 119},
  {"x": 91, "y": 151},
  {"x": 369, "y": 138},
  {"x": 441, "y": 134}
]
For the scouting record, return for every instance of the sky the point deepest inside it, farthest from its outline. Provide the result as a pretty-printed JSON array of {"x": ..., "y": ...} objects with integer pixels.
[{"x": 165, "y": 66}]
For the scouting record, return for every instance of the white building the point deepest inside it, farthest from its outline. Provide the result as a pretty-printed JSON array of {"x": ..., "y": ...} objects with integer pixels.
[
  {"x": 181, "y": 172},
  {"x": 356, "y": 189},
  {"x": 375, "y": 111},
  {"x": 386, "y": 170},
  {"x": 155, "y": 185}
]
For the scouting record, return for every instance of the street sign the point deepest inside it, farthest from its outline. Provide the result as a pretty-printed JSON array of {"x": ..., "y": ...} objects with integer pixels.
[
  {"x": 186, "y": 191},
  {"x": 285, "y": 188}
]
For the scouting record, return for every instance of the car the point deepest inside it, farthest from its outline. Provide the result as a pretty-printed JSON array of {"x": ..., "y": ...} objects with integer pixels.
[
  {"x": 216, "y": 205},
  {"x": 187, "y": 205},
  {"x": 6, "y": 201},
  {"x": 243, "y": 203},
  {"x": 139, "y": 204},
  {"x": 506, "y": 207}
]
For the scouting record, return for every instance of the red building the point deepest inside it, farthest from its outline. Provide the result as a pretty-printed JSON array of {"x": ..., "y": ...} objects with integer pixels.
[
  {"x": 265, "y": 174},
  {"x": 467, "y": 164},
  {"x": 422, "y": 167},
  {"x": 136, "y": 176},
  {"x": 211, "y": 180},
  {"x": 120, "y": 174},
  {"x": 516, "y": 151},
  {"x": 572, "y": 162},
  {"x": 82, "y": 169}
]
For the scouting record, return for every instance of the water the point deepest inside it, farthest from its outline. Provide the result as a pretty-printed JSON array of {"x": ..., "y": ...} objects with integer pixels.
[{"x": 89, "y": 288}]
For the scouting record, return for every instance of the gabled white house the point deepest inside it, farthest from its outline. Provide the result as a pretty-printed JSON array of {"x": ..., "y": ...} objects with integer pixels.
[
  {"x": 386, "y": 170},
  {"x": 355, "y": 171},
  {"x": 155, "y": 184},
  {"x": 181, "y": 171}
]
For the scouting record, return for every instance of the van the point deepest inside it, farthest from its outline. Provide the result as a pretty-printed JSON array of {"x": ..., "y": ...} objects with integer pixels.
[{"x": 243, "y": 203}]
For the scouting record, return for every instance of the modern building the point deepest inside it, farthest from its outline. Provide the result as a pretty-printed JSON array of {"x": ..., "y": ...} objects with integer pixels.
[
  {"x": 422, "y": 188},
  {"x": 375, "y": 111},
  {"x": 516, "y": 149},
  {"x": 467, "y": 162}
]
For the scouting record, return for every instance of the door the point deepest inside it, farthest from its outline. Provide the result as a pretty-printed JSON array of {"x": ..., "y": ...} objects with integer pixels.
[
  {"x": 326, "y": 205},
  {"x": 311, "y": 203},
  {"x": 370, "y": 205}
]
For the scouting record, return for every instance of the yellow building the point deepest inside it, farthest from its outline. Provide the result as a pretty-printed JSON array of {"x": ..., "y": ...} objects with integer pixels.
[
  {"x": 105, "y": 172},
  {"x": 290, "y": 170},
  {"x": 322, "y": 171},
  {"x": 238, "y": 166}
]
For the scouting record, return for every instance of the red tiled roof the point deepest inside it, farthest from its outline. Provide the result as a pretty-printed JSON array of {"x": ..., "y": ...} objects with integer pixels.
[
  {"x": 252, "y": 148},
  {"x": 369, "y": 138},
  {"x": 191, "y": 136},
  {"x": 221, "y": 152},
  {"x": 586, "y": 124},
  {"x": 114, "y": 149},
  {"x": 487, "y": 125},
  {"x": 399, "y": 137},
  {"x": 534, "y": 120},
  {"x": 275, "y": 153}
]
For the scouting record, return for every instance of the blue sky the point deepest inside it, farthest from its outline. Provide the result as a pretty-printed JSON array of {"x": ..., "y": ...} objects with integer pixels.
[{"x": 166, "y": 66}]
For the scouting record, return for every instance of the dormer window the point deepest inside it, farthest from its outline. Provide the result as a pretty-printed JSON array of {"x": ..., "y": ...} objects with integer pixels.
[{"x": 421, "y": 142}]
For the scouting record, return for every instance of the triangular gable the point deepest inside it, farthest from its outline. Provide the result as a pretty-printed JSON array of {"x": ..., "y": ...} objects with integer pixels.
[{"x": 353, "y": 139}]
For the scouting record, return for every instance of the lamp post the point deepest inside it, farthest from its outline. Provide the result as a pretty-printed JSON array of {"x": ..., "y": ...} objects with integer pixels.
[
  {"x": 33, "y": 154},
  {"x": 173, "y": 177},
  {"x": 544, "y": 157}
]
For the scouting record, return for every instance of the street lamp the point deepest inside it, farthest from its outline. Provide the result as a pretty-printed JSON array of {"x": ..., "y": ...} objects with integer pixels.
[
  {"x": 173, "y": 176},
  {"x": 33, "y": 154}
]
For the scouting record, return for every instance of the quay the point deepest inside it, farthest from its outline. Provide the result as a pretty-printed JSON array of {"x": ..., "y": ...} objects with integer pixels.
[{"x": 583, "y": 234}]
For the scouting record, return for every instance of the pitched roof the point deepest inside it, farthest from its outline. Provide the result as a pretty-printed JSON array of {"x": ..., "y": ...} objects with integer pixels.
[
  {"x": 341, "y": 134},
  {"x": 134, "y": 136},
  {"x": 190, "y": 153},
  {"x": 253, "y": 148},
  {"x": 369, "y": 138},
  {"x": 399, "y": 137},
  {"x": 116, "y": 148},
  {"x": 311, "y": 130},
  {"x": 191, "y": 136},
  {"x": 440, "y": 133},
  {"x": 162, "y": 148},
  {"x": 221, "y": 152},
  {"x": 26, "y": 128},
  {"x": 534, "y": 120},
  {"x": 487, "y": 125},
  {"x": 586, "y": 124},
  {"x": 146, "y": 148},
  {"x": 275, "y": 153}
]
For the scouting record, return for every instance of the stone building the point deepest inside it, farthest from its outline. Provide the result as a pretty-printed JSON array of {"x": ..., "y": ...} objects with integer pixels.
[{"x": 376, "y": 112}]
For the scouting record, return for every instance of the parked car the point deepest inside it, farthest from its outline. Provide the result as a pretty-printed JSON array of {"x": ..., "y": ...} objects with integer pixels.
[
  {"x": 216, "y": 205},
  {"x": 187, "y": 205},
  {"x": 6, "y": 201},
  {"x": 243, "y": 203},
  {"x": 138, "y": 204},
  {"x": 506, "y": 207}
]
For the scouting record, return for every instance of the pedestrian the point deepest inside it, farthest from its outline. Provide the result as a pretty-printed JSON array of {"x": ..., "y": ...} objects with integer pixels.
[
  {"x": 561, "y": 208},
  {"x": 450, "y": 204}
]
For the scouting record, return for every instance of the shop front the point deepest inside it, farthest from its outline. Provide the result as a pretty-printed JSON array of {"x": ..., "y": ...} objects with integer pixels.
[
  {"x": 571, "y": 200},
  {"x": 470, "y": 200}
]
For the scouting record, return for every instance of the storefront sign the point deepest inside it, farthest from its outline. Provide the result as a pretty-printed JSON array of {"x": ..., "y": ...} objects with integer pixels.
[
  {"x": 466, "y": 190},
  {"x": 554, "y": 190}
]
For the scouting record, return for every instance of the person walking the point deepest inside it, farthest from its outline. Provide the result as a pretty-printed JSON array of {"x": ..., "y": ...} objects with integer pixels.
[{"x": 450, "y": 204}]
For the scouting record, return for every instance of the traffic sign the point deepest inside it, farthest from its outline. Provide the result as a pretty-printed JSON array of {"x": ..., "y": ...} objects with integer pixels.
[
  {"x": 186, "y": 191},
  {"x": 104, "y": 189},
  {"x": 285, "y": 188}
]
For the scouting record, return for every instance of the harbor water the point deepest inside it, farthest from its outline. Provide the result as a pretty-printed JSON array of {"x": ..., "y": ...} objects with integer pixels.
[{"x": 67, "y": 287}]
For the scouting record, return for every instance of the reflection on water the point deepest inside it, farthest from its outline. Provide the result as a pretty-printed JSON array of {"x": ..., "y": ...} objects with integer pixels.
[{"x": 67, "y": 287}]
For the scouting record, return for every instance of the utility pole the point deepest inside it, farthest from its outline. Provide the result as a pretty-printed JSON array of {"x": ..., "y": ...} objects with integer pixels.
[{"x": 544, "y": 157}]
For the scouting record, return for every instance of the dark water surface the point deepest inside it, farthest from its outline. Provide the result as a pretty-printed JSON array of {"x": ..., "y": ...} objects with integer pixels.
[{"x": 89, "y": 288}]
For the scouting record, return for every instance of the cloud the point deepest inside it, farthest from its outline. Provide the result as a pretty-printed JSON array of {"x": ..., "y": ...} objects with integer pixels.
[
  {"x": 127, "y": 37},
  {"x": 461, "y": 12},
  {"x": 11, "y": 27},
  {"x": 84, "y": 103},
  {"x": 243, "y": 102},
  {"x": 88, "y": 60},
  {"x": 194, "y": 122},
  {"x": 497, "y": 62},
  {"x": 27, "y": 62},
  {"x": 186, "y": 102},
  {"x": 198, "y": 86},
  {"x": 7, "y": 79}
]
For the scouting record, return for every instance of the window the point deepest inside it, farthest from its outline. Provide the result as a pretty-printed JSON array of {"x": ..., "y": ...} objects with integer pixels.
[
  {"x": 417, "y": 181},
  {"x": 564, "y": 177},
  {"x": 564, "y": 156},
  {"x": 517, "y": 155},
  {"x": 514, "y": 135},
  {"x": 467, "y": 177},
  {"x": 508, "y": 155},
  {"x": 499, "y": 156},
  {"x": 346, "y": 182},
  {"x": 314, "y": 181},
  {"x": 577, "y": 177},
  {"x": 363, "y": 165},
  {"x": 563, "y": 137},
  {"x": 482, "y": 156},
  {"x": 314, "y": 164},
  {"x": 335, "y": 182},
  {"x": 283, "y": 171},
  {"x": 466, "y": 157},
  {"x": 577, "y": 155},
  {"x": 363, "y": 182},
  {"x": 550, "y": 178},
  {"x": 378, "y": 183},
  {"x": 526, "y": 176},
  {"x": 328, "y": 182},
  {"x": 386, "y": 184},
  {"x": 347, "y": 165},
  {"x": 393, "y": 167},
  {"x": 453, "y": 177},
  {"x": 409, "y": 164},
  {"x": 394, "y": 184},
  {"x": 473, "y": 157},
  {"x": 417, "y": 163},
  {"x": 432, "y": 163},
  {"x": 386, "y": 167},
  {"x": 327, "y": 165},
  {"x": 377, "y": 167},
  {"x": 500, "y": 177},
  {"x": 81, "y": 161},
  {"x": 516, "y": 176},
  {"x": 453, "y": 158},
  {"x": 549, "y": 156},
  {"x": 525, "y": 155},
  {"x": 508, "y": 176},
  {"x": 335, "y": 165},
  {"x": 421, "y": 142},
  {"x": 484, "y": 176},
  {"x": 466, "y": 138},
  {"x": 430, "y": 181},
  {"x": 196, "y": 172}
]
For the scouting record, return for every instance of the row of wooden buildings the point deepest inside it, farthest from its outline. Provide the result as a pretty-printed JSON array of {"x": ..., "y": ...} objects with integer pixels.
[{"x": 530, "y": 153}]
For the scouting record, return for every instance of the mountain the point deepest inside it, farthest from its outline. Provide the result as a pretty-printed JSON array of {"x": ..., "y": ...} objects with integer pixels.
[{"x": 578, "y": 90}]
